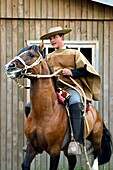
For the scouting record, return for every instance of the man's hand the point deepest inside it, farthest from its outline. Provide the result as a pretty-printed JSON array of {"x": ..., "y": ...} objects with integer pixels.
[{"x": 66, "y": 72}]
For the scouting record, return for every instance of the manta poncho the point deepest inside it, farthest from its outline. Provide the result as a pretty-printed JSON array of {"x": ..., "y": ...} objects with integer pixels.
[{"x": 73, "y": 59}]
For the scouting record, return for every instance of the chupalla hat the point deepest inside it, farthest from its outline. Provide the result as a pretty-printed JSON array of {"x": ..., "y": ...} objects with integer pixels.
[{"x": 54, "y": 31}]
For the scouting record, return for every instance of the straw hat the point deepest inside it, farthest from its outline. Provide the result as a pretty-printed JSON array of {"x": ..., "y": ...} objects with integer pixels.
[{"x": 54, "y": 31}]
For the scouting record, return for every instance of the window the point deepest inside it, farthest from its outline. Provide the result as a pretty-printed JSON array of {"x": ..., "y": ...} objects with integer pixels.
[{"x": 88, "y": 48}]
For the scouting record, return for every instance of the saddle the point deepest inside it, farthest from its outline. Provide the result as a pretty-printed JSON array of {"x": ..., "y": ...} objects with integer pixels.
[{"x": 63, "y": 96}]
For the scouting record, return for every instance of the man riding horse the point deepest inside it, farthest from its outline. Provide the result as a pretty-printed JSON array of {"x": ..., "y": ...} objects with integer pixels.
[{"x": 73, "y": 64}]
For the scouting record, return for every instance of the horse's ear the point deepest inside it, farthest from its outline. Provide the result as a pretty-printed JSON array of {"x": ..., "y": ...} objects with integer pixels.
[
  {"x": 26, "y": 43},
  {"x": 41, "y": 46}
]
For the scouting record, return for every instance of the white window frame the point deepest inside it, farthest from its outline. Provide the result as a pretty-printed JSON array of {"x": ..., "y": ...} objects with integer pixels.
[{"x": 74, "y": 44}]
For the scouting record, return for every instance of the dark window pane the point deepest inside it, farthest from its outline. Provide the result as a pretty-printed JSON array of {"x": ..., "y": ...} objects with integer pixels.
[
  {"x": 44, "y": 52},
  {"x": 73, "y": 48},
  {"x": 87, "y": 52},
  {"x": 50, "y": 50}
]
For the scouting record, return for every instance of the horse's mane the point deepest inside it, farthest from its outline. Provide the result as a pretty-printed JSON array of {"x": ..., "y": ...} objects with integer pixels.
[{"x": 31, "y": 47}]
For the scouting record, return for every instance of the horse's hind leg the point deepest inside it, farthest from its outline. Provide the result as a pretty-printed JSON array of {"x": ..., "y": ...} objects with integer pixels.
[
  {"x": 30, "y": 154},
  {"x": 96, "y": 140}
]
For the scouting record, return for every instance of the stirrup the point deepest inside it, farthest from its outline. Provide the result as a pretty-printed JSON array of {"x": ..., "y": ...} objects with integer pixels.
[{"x": 75, "y": 148}]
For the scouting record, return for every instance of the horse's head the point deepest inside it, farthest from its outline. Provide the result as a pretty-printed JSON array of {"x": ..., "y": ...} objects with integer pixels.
[{"x": 26, "y": 59}]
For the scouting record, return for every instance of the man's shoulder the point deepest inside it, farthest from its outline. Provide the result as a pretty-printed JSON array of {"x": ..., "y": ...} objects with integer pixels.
[
  {"x": 67, "y": 51},
  {"x": 70, "y": 51}
]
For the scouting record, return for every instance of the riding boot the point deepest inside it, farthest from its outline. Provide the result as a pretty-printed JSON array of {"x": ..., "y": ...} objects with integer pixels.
[{"x": 77, "y": 123}]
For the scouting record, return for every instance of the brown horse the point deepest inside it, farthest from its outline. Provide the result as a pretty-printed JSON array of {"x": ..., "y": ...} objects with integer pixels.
[{"x": 47, "y": 125}]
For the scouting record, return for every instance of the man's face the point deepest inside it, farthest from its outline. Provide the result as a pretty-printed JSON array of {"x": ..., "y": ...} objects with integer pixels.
[{"x": 57, "y": 41}]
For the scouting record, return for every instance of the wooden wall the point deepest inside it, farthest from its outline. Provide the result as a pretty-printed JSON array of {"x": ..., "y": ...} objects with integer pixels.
[{"x": 29, "y": 19}]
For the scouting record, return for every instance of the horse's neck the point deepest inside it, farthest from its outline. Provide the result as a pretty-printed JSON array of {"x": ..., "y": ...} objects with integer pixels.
[{"x": 42, "y": 89}]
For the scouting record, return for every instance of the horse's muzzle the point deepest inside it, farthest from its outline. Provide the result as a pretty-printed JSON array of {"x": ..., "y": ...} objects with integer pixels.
[{"x": 12, "y": 71}]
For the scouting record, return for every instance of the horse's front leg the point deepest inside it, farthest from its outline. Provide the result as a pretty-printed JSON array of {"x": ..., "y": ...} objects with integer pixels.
[
  {"x": 54, "y": 158},
  {"x": 30, "y": 154}
]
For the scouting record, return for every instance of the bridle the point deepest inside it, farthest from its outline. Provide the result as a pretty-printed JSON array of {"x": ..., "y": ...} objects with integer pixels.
[{"x": 26, "y": 67}]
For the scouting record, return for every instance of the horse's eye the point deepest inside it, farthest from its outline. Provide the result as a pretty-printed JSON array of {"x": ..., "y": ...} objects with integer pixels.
[{"x": 31, "y": 55}]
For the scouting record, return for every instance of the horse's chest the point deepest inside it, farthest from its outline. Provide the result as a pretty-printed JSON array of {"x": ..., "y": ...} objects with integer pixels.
[{"x": 37, "y": 138}]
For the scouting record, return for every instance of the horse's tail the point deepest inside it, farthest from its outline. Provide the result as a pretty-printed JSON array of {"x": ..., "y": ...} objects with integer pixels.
[{"x": 106, "y": 146}]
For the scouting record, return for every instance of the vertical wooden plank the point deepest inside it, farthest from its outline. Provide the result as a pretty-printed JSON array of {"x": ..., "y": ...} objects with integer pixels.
[
  {"x": 9, "y": 102},
  {"x": 27, "y": 28},
  {"x": 78, "y": 30},
  {"x": 95, "y": 11},
  {"x": 72, "y": 9},
  {"x": 60, "y": 9},
  {"x": 14, "y": 9},
  {"x": 20, "y": 8},
  {"x": 38, "y": 32},
  {"x": 83, "y": 30},
  {"x": 0, "y": 97},
  {"x": 26, "y": 8},
  {"x": 72, "y": 35},
  {"x": 55, "y": 9},
  {"x": 78, "y": 9},
  {"x": 90, "y": 9},
  {"x": 101, "y": 11},
  {"x": 107, "y": 12},
  {"x": 89, "y": 35},
  {"x": 89, "y": 23},
  {"x": 38, "y": 8},
  {"x": 106, "y": 76},
  {"x": 9, "y": 8},
  {"x": 50, "y": 6},
  {"x": 3, "y": 8},
  {"x": 101, "y": 54},
  {"x": 32, "y": 29},
  {"x": 55, "y": 24},
  {"x": 95, "y": 30},
  {"x": 66, "y": 15},
  {"x": 105, "y": 69},
  {"x": 59, "y": 23},
  {"x": 111, "y": 85},
  {"x": 32, "y": 8},
  {"x": 43, "y": 9},
  {"x": 78, "y": 16},
  {"x": 49, "y": 25},
  {"x": 67, "y": 9},
  {"x": 3, "y": 132},
  {"x": 15, "y": 101},
  {"x": 84, "y": 9},
  {"x": 66, "y": 25},
  {"x": 43, "y": 28},
  {"x": 83, "y": 23}
]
